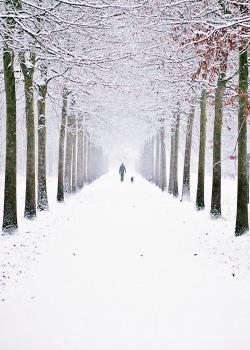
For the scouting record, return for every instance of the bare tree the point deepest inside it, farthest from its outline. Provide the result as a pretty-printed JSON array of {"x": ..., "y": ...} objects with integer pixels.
[
  {"x": 69, "y": 151},
  {"x": 243, "y": 183},
  {"x": 42, "y": 197},
  {"x": 187, "y": 157},
  {"x": 74, "y": 154},
  {"x": 157, "y": 159},
  {"x": 85, "y": 156},
  {"x": 172, "y": 153},
  {"x": 200, "y": 200},
  {"x": 163, "y": 170},
  {"x": 60, "y": 186},
  {"x": 80, "y": 154},
  {"x": 215, "y": 210},
  {"x": 10, "y": 206},
  {"x": 176, "y": 153},
  {"x": 27, "y": 63}
]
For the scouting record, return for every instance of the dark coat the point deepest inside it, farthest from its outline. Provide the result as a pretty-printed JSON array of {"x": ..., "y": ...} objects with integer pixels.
[{"x": 122, "y": 169}]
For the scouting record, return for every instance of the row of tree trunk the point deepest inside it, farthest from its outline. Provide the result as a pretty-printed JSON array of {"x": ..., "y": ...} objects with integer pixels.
[
  {"x": 152, "y": 162},
  {"x": 27, "y": 63},
  {"x": 80, "y": 160},
  {"x": 83, "y": 162},
  {"x": 152, "y": 159}
]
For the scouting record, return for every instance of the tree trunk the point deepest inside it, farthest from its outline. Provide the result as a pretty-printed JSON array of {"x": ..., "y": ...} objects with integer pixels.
[
  {"x": 187, "y": 157},
  {"x": 153, "y": 158},
  {"x": 243, "y": 183},
  {"x": 85, "y": 157},
  {"x": 157, "y": 160},
  {"x": 10, "y": 208},
  {"x": 145, "y": 161},
  {"x": 30, "y": 197},
  {"x": 176, "y": 153},
  {"x": 215, "y": 210},
  {"x": 10, "y": 204},
  {"x": 148, "y": 160},
  {"x": 89, "y": 162},
  {"x": 60, "y": 186},
  {"x": 42, "y": 197},
  {"x": 74, "y": 158},
  {"x": 163, "y": 184},
  {"x": 200, "y": 201},
  {"x": 80, "y": 155},
  {"x": 171, "y": 168},
  {"x": 68, "y": 156}
]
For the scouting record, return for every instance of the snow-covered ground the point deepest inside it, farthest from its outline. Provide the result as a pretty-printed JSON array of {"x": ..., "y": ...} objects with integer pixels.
[{"x": 125, "y": 266}]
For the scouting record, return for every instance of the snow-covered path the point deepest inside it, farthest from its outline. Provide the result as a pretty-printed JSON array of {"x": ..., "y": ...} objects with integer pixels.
[{"x": 125, "y": 266}]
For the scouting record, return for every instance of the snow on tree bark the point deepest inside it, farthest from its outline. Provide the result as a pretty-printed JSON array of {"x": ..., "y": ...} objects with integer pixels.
[
  {"x": 69, "y": 155},
  {"x": 10, "y": 201},
  {"x": 30, "y": 196},
  {"x": 80, "y": 154},
  {"x": 200, "y": 200},
  {"x": 10, "y": 205},
  {"x": 85, "y": 156},
  {"x": 176, "y": 152},
  {"x": 157, "y": 159},
  {"x": 60, "y": 186},
  {"x": 243, "y": 182},
  {"x": 163, "y": 169},
  {"x": 187, "y": 156},
  {"x": 42, "y": 197},
  {"x": 215, "y": 210},
  {"x": 171, "y": 171},
  {"x": 74, "y": 155}
]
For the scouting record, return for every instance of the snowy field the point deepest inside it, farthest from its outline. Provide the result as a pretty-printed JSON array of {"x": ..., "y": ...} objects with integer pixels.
[{"x": 123, "y": 266}]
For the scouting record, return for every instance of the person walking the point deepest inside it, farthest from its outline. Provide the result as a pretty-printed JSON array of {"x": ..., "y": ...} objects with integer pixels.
[{"x": 122, "y": 170}]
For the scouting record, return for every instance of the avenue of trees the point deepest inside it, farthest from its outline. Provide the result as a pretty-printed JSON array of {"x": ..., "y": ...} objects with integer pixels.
[{"x": 84, "y": 60}]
